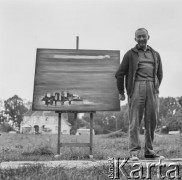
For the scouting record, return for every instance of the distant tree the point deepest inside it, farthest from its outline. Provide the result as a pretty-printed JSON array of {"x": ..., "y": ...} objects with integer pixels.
[
  {"x": 5, "y": 127},
  {"x": 122, "y": 118},
  {"x": 174, "y": 122},
  {"x": 76, "y": 123},
  {"x": 180, "y": 101},
  {"x": 99, "y": 122},
  {"x": 71, "y": 119},
  {"x": 15, "y": 108},
  {"x": 170, "y": 113},
  {"x": 3, "y": 118},
  {"x": 106, "y": 122},
  {"x": 167, "y": 108},
  {"x": 178, "y": 116},
  {"x": 27, "y": 104}
]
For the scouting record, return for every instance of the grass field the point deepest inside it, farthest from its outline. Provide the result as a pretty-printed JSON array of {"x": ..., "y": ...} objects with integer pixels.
[{"x": 18, "y": 147}]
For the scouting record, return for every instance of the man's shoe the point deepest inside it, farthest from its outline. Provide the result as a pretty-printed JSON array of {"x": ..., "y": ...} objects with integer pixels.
[
  {"x": 154, "y": 156},
  {"x": 134, "y": 157}
]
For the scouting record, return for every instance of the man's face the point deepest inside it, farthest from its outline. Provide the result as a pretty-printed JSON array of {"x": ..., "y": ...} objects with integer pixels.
[{"x": 141, "y": 37}]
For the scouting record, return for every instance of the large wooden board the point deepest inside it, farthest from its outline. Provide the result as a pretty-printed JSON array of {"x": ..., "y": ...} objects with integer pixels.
[{"x": 76, "y": 80}]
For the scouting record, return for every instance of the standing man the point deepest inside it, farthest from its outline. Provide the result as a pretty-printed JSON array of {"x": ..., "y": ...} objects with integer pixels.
[{"x": 141, "y": 74}]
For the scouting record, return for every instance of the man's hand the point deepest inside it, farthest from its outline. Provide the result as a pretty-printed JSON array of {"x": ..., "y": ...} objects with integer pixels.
[{"x": 121, "y": 97}]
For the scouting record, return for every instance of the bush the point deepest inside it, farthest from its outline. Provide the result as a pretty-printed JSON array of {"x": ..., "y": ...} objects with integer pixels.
[{"x": 5, "y": 127}]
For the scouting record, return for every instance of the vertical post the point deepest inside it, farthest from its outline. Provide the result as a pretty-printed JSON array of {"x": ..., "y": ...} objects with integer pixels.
[
  {"x": 77, "y": 47},
  {"x": 75, "y": 118},
  {"x": 91, "y": 135},
  {"x": 59, "y": 133},
  {"x": 116, "y": 121},
  {"x": 77, "y": 42}
]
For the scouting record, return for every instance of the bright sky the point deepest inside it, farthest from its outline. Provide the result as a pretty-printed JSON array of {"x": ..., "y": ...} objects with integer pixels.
[{"x": 100, "y": 24}]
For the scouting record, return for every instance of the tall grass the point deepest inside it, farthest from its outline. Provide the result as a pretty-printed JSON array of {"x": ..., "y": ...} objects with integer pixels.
[{"x": 18, "y": 147}]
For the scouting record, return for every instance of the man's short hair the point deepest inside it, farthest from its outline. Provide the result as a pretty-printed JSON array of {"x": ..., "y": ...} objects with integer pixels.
[{"x": 141, "y": 29}]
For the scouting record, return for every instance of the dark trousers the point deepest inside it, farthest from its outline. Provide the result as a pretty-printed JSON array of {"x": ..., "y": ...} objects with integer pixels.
[{"x": 143, "y": 104}]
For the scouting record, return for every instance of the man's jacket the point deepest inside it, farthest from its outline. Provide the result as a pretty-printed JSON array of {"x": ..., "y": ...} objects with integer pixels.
[{"x": 128, "y": 68}]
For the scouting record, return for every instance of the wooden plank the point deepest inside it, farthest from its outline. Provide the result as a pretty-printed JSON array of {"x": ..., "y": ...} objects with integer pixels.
[
  {"x": 91, "y": 133},
  {"x": 59, "y": 133},
  {"x": 76, "y": 80},
  {"x": 75, "y": 144},
  {"x": 76, "y": 111},
  {"x": 77, "y": 42}
]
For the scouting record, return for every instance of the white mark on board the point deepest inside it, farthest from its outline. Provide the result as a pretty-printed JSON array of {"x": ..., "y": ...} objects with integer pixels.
[{"x": 80, "y": 57}]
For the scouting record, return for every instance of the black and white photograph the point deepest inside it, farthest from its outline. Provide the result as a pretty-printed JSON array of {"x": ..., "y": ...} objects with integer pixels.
[{"x": 90, "y": 89}]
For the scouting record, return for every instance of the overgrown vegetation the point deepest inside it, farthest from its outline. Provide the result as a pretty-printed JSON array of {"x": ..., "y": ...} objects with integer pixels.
[
  {"x": 4, "y": 127},
  {"x": 18, "y": 147}
]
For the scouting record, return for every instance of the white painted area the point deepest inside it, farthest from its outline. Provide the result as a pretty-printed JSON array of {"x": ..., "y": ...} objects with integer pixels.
[
  {"x": 80, "y": 57},
  {"x": 84, "y": 131},
  {"x": 173, "y": 132}
]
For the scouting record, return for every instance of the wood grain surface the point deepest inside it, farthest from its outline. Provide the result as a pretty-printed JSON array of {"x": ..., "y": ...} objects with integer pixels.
[{"x": 84, "y": 80}]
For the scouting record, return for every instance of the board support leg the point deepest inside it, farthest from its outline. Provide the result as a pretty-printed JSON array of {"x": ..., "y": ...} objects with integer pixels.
[
  {"x": 59, "y": 133},
  {"x": 91, "y": 135}
]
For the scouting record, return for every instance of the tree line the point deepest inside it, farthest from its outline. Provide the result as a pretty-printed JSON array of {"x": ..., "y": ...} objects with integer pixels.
[{"x": 170, "y": 116}]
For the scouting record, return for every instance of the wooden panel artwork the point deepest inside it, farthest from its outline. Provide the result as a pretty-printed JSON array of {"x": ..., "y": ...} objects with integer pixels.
[{"x": 76, "y": 80}]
